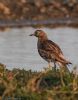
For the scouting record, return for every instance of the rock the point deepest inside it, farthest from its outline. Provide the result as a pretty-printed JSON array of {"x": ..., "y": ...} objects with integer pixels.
[
  {"x": 4, "y": 8},
  {"x": 39, "y": 3},
  {"x": 43, "y": 9}
]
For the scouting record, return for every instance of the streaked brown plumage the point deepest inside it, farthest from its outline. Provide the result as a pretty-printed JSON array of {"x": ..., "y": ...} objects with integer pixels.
[{"x": 49, "y": 50}]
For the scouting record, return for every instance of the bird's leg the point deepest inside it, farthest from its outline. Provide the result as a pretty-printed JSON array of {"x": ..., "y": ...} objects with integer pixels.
[{"x": 54, "y": 66}]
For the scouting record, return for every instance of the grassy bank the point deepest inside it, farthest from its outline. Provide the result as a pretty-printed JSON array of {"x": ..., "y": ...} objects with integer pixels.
[{"x": 28, "y": 85}]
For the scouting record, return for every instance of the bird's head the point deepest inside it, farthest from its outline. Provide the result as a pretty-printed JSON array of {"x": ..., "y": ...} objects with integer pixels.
[{"x": 39, "y": 34}]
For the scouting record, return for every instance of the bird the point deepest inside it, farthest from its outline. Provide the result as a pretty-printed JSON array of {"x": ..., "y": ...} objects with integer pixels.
[{"x": 49, "y": 50}]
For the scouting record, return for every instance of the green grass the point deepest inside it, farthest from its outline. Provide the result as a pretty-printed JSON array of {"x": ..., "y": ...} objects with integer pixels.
[{"x": 29, "y": 85}]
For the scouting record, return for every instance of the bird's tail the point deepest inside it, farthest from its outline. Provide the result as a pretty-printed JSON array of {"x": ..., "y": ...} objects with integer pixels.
[{"x": 62, "y": 59}]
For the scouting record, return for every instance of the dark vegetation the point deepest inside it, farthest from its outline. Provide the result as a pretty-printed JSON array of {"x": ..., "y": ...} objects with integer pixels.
[{"x": 28, "y": 85}]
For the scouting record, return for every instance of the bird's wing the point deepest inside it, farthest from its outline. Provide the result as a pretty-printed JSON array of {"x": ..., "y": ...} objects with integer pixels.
[{"x": 53, "y": 49}]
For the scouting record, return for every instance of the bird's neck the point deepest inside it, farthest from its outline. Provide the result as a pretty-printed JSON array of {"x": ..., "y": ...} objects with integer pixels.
[{"x": 42, "y": 39}]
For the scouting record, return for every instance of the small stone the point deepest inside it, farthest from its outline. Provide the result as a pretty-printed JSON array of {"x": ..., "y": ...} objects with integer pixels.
[{"x": 43, "y": 9}]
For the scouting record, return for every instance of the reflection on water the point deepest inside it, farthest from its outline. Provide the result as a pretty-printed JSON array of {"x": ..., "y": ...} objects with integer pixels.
[{"x": 18, "y": 49}]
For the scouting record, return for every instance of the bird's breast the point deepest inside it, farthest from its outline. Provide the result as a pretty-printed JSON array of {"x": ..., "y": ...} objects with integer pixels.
[
  {"x": 42, "y": 52},
  {"x": 40, "y": 44}
]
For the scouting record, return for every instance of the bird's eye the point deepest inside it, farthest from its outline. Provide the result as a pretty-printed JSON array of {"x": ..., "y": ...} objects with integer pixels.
[{"x": 37, "y": 33}]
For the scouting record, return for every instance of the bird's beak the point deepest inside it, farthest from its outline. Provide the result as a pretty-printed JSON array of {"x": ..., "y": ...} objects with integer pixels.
[{"x": 31, "y": 35}]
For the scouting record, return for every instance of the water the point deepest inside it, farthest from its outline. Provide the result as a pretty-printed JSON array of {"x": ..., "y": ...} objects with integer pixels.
[{"x": 18, "y": 49}]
